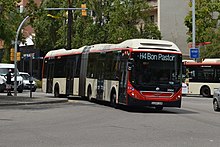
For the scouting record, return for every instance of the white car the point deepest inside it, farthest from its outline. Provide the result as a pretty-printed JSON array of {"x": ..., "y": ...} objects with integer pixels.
[
  {"x": 26, "y": 81},
  {"x": 4, "y": 69}
]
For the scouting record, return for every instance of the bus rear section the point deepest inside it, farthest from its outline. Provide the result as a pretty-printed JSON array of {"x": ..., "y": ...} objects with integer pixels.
[
  {"x": 155, "y": 79},
  {"x": 202, "y": 77}
]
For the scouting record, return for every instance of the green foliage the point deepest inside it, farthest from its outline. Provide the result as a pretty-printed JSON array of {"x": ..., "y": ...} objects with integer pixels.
[
  {"x": 212, "y": 50},
  {"x": 9, "y": 20},
  {"x": 47, "y": 29},
  {"x": 109, "y": 21},
  {"x": 126, "y": 17},
  {"x": 39, "y": 83},
  {"x": 206, "y": 26}
]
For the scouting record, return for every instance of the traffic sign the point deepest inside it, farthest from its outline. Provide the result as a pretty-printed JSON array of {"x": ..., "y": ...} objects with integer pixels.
[{"x": 194, "y": 53}]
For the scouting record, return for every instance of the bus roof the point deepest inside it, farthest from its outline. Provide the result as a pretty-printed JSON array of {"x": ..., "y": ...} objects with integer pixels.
[
  {"x": 138, "y": 44},
  {"x": 191, "y": 61},
  {"x": 149, "y": 44},
  {"x": 135, "y": 44},
  {"x": 63, "y": 51},
  {"x": 213, "y": 60},
  {"x": 103, "y": 46}
]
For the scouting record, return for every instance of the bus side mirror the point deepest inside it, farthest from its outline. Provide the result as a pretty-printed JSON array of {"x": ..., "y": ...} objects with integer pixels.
[{"x": 130, "y": 64}]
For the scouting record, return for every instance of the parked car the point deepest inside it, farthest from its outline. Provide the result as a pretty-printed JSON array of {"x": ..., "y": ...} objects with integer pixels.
[
  {"x": 2, "y": 84},
  {"x": 216, "y": 100},
  {"x": 26, "y": 81},
  {"x": 4, "y": 69}
]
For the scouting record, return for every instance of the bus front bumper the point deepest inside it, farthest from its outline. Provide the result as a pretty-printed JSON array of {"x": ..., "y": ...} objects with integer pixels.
[{"x": 135, "y": 102}]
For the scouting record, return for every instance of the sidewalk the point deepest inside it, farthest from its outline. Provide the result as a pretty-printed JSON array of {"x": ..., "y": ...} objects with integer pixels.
[{"x": 24, "y": 99}]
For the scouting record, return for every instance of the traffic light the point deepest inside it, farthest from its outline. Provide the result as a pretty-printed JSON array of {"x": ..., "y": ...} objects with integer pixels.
[
  {"x": 18, "y": 56},
  {"x": 12, "y": 53},
  {"x": 84, "y": 12}
]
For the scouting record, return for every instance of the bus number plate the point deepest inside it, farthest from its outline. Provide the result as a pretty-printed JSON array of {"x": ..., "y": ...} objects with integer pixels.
[{"x": 157, "y": 103}]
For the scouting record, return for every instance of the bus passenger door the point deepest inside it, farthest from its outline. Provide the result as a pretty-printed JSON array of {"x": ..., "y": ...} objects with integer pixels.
[
  {"x": 70, "y": 66},
  {"x": 100, "y": 81},
  {"x": 123, "y": 80},
  {"x": 50, "y": 76}
]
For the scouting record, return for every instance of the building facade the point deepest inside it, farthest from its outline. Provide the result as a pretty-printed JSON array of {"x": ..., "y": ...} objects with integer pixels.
[{"x": 169, "y": 16}]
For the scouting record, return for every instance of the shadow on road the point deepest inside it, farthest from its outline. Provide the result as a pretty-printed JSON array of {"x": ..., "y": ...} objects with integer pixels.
[{"x": 166, "y": 110}]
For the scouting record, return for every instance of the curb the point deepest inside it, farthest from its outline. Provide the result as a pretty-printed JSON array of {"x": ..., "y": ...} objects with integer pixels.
[{"x": 44, "y": 101}]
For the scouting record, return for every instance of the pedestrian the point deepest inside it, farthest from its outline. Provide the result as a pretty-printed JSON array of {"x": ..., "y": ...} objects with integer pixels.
[{"x": 9, "y": 82}]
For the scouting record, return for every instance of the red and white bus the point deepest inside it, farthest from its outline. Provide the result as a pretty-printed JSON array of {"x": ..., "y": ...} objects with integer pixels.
[
  {"x": 135, "y": 72},
  {"x": 202, "y": 77}
]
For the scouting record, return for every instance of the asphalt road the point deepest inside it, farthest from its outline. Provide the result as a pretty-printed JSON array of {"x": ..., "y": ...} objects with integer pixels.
[{"x": 80, "y": 123}]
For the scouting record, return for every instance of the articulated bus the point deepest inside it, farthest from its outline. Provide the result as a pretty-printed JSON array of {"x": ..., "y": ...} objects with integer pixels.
[
  {"x": 136, "y": 72},
  {"x": 202, "y": 77}
]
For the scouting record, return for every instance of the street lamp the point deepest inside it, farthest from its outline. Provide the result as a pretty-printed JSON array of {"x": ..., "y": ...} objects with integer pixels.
[{"x": 15, "y": 54}]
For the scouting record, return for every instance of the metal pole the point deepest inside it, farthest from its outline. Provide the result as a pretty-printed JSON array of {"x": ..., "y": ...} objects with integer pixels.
[
  {"x": 15, "y": 55},
  {"x": 193, "y": 25},
  {"x": 70, "y": 22},
  {"x": 31, "y": 73}
]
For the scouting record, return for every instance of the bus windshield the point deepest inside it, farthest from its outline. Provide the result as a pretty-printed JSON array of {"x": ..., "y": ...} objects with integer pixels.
[{"x": 151, "y": 70}]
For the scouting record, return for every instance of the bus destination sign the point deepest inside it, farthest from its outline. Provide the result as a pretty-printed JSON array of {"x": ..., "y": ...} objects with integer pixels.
[{"x": 156, "y": 57}]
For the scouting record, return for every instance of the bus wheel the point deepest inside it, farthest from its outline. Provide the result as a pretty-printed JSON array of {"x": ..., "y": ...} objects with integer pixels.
[
  {"x": 89, "y": 93},
  {"x": 113, "y": 100},
  {"x": 205, "y": 91},
  {"x": 159, "y": 107},
  {"x": 56, "y": 91},
  {"x": 216, "y": 106}
]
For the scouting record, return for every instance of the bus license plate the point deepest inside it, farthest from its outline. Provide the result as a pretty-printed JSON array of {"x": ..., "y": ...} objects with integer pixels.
[{"x": 157, "y": 103}]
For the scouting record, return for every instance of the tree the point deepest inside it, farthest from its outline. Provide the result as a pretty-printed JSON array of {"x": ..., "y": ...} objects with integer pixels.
[
  {"x": 211, "y": 50},
  {"x": 9, "y": 21},
  {"x": 117, "y": 20},
  {"x": 46, "y": 25},
  {"x": 130, "y": 19},
  {"x": 207, "y": 28},
  {"x": 103, "y": 24}
]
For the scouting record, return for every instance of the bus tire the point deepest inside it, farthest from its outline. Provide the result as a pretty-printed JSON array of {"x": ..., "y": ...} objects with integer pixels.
[
  {"x": 113, "y": 99},
  {"x": 205, "y": 91},
  {"x": 216, "y": 105},
  {"x": 56, "y": 91},
  {"x": 89, "y": 93}
]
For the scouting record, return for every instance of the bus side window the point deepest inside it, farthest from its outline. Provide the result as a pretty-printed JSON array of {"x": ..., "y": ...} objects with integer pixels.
[{"x": 192, "y": 74}]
